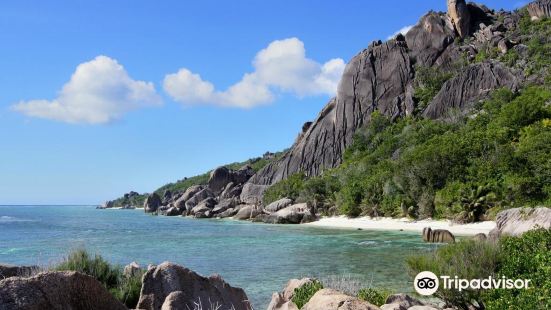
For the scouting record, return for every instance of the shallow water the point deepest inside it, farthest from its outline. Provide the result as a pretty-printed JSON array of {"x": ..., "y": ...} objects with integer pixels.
[{"x": 259, "y": 258}]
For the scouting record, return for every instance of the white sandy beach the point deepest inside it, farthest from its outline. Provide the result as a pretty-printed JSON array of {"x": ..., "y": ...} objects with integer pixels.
[{"x": 384, "y": 223}]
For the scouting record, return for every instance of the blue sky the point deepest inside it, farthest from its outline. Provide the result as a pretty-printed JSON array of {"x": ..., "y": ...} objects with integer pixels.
[{"x": 180, "y": 87}]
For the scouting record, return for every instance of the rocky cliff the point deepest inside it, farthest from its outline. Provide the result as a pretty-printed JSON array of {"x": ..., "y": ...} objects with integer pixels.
[{"x": 381, "y": 78}]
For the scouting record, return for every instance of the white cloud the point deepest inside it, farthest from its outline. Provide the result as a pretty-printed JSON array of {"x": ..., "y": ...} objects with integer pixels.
[
  {"x": 99, "y": 91},
  {"x": 402, "y": 30},
  {"x": 282, "y": 66}
]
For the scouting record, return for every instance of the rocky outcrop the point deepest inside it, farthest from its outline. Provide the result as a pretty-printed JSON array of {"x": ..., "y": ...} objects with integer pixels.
[
  {"x": 203, "y": 194},
  {"x": 170, "y": 286},
  {"x": 539, "y": 9},
  {"x": 222, "y": 176},
  {"x": 152, "y": 203},
  {"x": 56, "y": 290},
  {"x": 247, "y": 212},
  {"x": 283, "y": 300},
  {"x": 437, "y": 235},
  {"x": 470, "y": 86},
  {"x": 459, "y": 16},
  {"x": 515, "y": 222},
  {"x": 329, "y": 299},
  {"x": 7, "y": 271}
]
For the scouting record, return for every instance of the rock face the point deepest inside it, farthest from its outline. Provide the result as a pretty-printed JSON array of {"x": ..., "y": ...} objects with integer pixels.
[
  {"x": 328, "y": 299},
  {"x": 170, "y": 286},
  {"x": 7, "y": 271},
  {"x": 278, "y": 205},
  {"x": 459, "y": 16},
  {"x": 294, "y": 214},
  {"x": 151, "y": 203},
  {"x": 471, "y": 85},
  {"x": 515, "y": 222},
  {"x": 56, "y": 290},
  {"x": 437, "y": 235},
  {"x": 539, "y": 9}
]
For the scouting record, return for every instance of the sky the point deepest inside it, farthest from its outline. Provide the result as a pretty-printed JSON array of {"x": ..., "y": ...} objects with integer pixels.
[{"x": 99, "y": 97}]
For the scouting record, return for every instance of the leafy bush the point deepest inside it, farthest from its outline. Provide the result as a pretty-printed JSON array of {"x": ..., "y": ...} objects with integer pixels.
[
  {"x": 525, "y": 257},
  {"x": 290, "y": 188},
  {"x": 466, "y": 259},
  {"x": 428, "y": 81},
  {"x": 303, "y": 294},
  {"x": 126, "y": 289},
  {"x": 374, "y": 296}
]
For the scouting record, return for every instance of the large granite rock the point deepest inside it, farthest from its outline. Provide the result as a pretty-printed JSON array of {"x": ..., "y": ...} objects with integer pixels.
[
  {"x": 197, "y": 198},
  {"x": 247, "y": 212},
  {"x": 401, "y": 301},
  {"x": 180, "y": 203},
  {"x": 7, "y": 271},
  {"x": 473, "y": 84},
  {"x": 516, "y": 221},
  {"x": 294, "y": 214},
  {"x": 278, "y": 205},
  {"x": 252, "y": 193},
  {"x": 539, "y": 9},
  {"x": 56, "y": 290},
  {"x": 222, "y": 176},
  {"x": 170, "y": 286},
  {"x": 437, "y": 235},
  {"x": 459, "y": 16},
  {"x": 283, "y": 300},
  {"x": 151, "y": 203},
  {"x": 329, "y": 299}
]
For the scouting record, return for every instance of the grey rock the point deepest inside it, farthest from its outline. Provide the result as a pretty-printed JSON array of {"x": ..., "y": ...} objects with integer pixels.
[
  {"x": 7, "y": 271},
  {"x": 403, "y": 301},
  {"x": 294, "y": 214},
  {"x": 228, "y": 213},
  {"x": 56, "y": 290},
  {"x": 168, "y": 278},
  {"x": 173, "y": 211},
  {"x": 437, "y": 235},
  {"x": 539, "y": 9},
  {"x": 232, "y": 190},
  {"x": 516, "y": 221},
  {"x": 480, "y": 237},
  {"x": 278, "y": 205},
  {"x": 151, "y": 203},
  {"x": 224, "y": 205},
  {"x": 470, "y": 86},
  {"x": 219, "y": 178},
  {"x": 429, "y": 39},
  {"x": 132, "y": 269},
  {"x": 460, "y": 16},
  {"x": 252, "y": 193},
  {"x": 247, "y": 212},
  {"x": 283, "y": 300},
  {"x": 329, "y": 299},
  {"x": 198, "y": 197}
]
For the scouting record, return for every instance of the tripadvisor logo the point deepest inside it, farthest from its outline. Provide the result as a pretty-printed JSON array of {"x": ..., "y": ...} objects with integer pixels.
[{"x": 426, "y": 283}]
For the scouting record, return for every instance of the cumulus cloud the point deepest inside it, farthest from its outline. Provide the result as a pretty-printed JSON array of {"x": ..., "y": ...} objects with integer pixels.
[
  {"x": 402, "y": 30},
  {"x": 280, "y": 67},
  {"x": 99, "y": 91}
]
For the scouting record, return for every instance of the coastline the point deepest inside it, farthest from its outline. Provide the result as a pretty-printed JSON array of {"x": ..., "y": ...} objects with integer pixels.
[{"x": 404, "y": 224}]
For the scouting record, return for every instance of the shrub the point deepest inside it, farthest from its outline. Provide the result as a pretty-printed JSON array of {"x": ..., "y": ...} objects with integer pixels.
[
  {"x": 466, "y": 259},
  {"x": 428, "y": 81},
  {"x": 125, "y": 289},
  {"x": 303, "y": 294},
  {"x": 290, "y": 188},
  {"x": 525, "y": 257},
  {"x": 374, "y": 296}
]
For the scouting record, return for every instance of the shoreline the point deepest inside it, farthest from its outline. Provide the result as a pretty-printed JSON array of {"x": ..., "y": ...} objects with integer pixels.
[{"x": 402, "y": 224}]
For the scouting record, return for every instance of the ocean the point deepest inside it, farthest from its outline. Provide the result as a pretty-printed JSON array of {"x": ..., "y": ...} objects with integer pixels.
[{"x": 260, "y": 258}]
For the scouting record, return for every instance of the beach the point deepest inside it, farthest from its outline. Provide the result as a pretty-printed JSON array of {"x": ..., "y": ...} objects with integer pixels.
[{"x": 403, "y": 224}]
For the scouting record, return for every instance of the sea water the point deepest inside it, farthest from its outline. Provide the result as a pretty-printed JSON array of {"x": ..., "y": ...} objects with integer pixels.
[{"x": 260, "y": 258}]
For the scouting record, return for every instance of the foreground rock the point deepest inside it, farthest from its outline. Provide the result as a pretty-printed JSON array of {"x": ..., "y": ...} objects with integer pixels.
[
  {"x": 403, "y": 301},
  {"x": 7, "y": 271},
  {"x": 56, "y": 290},
  {"x": 329, "y": 299},
  {"x": 170, "y": 286},
  {"x": 283, "y": 300},
  {"x": 437, "y": 235},
  {"x": 515, "y": 222}
]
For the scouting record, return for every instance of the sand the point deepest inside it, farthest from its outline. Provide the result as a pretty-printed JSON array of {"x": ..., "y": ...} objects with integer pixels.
[{"x": 383, "y": 223}]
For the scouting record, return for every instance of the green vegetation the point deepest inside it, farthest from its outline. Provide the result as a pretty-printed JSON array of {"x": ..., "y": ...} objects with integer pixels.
[
  {"x": 467, "y": 171},
  {"x": 303, "y": 294},
  {"x": 428, "y": 81},
  {"x": 525, "y": 257},
  {"x": 124, "y": 288},
  {"x": 374, "y": 296}
]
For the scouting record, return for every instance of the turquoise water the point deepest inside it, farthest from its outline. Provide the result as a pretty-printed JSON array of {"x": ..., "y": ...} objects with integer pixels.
[{"x": 260, "y": 258}]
